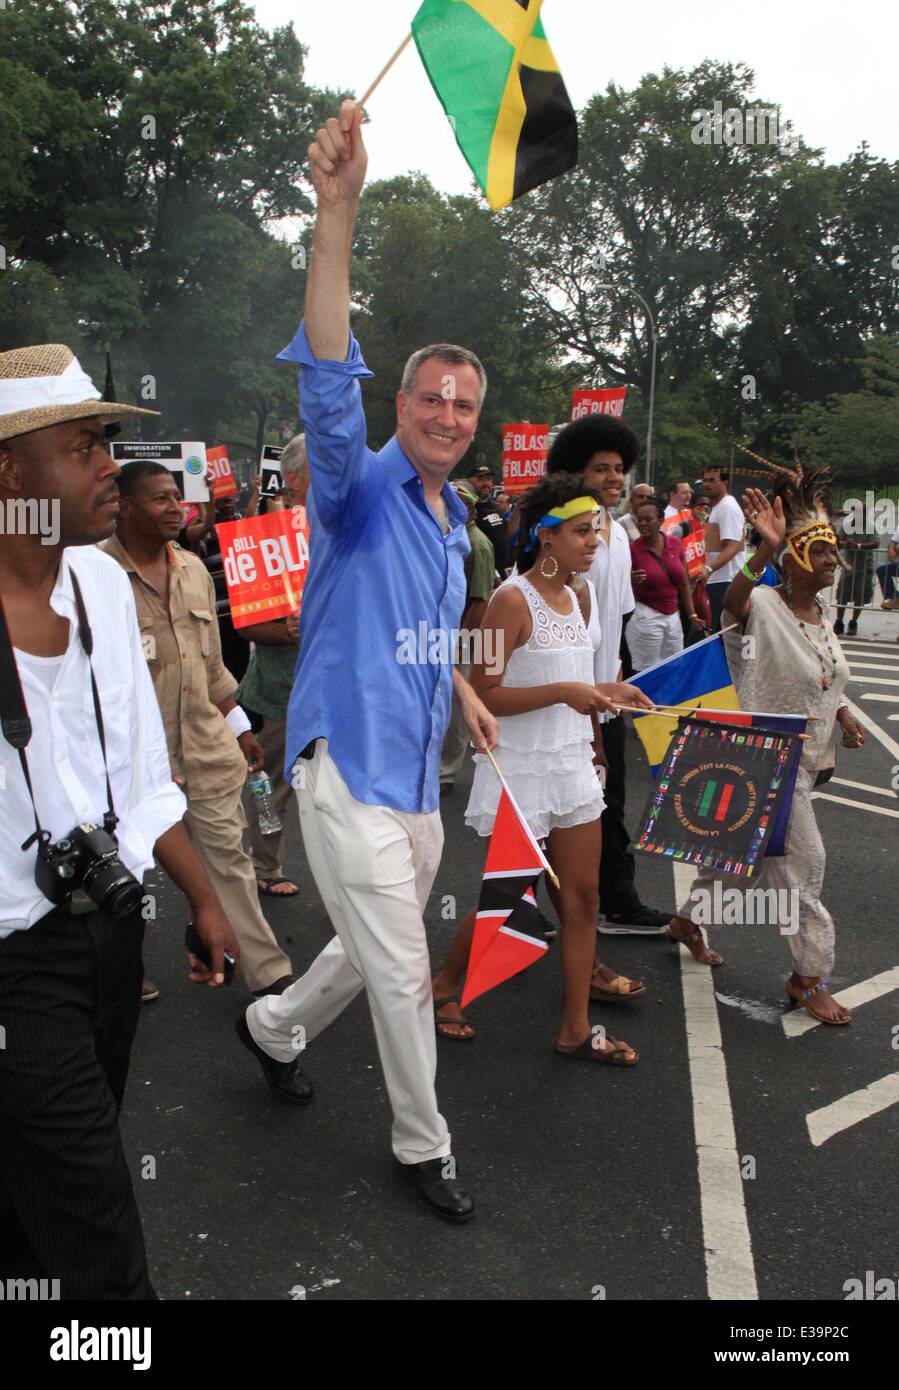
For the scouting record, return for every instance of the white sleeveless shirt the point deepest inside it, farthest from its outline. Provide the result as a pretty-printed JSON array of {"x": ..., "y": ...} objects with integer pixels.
[{"x": 545, "y": 754}]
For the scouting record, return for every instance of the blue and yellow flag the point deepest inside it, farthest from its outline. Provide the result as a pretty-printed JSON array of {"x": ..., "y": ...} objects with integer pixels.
[
  {"x": 697, "y": 678},
  {"x": 499, "y": 83}
]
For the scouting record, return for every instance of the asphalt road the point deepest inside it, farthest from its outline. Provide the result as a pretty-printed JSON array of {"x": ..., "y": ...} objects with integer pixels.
[{"x": 589, "y": 1180}]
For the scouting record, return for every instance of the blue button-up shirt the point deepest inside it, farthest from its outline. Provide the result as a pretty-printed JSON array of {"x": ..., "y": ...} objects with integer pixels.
[{"x": 384, "y": 594}]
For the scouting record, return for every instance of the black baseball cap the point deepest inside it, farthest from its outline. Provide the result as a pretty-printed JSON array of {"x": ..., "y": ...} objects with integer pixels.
[{"x": 479, "y": 470}]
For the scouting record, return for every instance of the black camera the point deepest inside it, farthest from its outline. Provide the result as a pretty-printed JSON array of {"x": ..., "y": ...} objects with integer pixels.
[{"x": 88, "y": 858}]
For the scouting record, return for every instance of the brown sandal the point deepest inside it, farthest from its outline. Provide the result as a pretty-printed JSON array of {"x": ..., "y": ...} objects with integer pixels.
[
  {"x": 586, "y": 1052},
  {"x": 461, "y": 1022},
  {"x": 805, "y": 996},
  {"x": 617, "y": 991},
  {"x": 690, "y": 941}
]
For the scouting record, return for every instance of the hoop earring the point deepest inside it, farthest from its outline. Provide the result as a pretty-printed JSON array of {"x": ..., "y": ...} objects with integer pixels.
[{"x": 549, "y": 574}]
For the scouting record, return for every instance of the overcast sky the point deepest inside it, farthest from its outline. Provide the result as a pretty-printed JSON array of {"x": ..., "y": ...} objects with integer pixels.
[{"x": 832, "y": 67}]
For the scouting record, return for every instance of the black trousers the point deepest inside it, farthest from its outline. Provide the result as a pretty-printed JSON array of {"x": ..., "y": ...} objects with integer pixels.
[
  {"x": 69, "y": 1002},
  {"x": 617, "y": 892},
  {"x": 716, "y": 594}
]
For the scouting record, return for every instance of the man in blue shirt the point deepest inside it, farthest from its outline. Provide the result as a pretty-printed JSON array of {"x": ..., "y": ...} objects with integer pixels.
[{"x": 371, "y": 699}]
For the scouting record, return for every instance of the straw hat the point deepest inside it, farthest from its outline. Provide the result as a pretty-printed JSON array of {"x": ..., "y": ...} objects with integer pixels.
[{"x": 45, "y": 385}]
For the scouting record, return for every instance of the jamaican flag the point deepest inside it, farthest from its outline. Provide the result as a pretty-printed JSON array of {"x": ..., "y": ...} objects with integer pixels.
[{"x": 496, "y": 77}]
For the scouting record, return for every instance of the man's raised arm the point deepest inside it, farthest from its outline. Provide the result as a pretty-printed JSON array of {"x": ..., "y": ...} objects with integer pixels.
[{"x": 337, "y": 161}]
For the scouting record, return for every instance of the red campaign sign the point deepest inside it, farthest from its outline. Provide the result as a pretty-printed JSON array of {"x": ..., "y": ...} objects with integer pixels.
[
  {"x": 607, "y": 401},
  {"x": 678, "y": 519},
  {"x": 219, "y": 473},
  {"x": 266, "y": 559},
  {"x": 525, "y": 447},
  {"x": 694, "y": 549}
]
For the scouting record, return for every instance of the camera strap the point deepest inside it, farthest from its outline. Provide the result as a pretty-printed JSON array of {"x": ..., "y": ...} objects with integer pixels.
[{"x": 15, "y": 723}]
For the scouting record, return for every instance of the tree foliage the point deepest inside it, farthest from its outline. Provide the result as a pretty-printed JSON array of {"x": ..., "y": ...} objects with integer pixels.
[{"x": 152, "y": 162}]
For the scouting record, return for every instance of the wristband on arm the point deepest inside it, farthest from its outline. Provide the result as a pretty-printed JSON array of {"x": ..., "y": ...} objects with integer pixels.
[{"x": 237, "y": 721}]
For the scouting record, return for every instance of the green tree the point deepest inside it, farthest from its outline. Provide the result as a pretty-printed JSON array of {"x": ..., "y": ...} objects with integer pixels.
[{"x": 156, "y": 151}]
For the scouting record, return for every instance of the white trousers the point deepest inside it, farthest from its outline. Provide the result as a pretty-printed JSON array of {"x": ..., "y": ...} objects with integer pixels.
[
  {"x": 798, "y": 877},
  {"x": 653, "y": 636},
  {"x": 374, "y": 868}
]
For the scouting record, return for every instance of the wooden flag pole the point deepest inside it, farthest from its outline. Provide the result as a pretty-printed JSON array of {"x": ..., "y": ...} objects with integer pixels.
[
  {"x": 676, "y": 711},
  {"x": 503, "y": 780},
  {"x": 385, "y": 69}
]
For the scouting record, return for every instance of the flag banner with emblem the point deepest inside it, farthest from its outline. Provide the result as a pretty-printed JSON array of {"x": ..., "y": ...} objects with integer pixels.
[
  {"x": 508, "y": 934},
  {"x": 721, "y": 792},
  {"x": 500, "y": 85},
  {"x": 265, "y": 559},
  {"x": 702, "y": 669}
]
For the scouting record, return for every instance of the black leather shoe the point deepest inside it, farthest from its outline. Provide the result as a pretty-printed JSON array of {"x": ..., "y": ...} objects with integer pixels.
[
  {"x": 438, "y": 1186},
  {"x": 285, "y": 1078}
]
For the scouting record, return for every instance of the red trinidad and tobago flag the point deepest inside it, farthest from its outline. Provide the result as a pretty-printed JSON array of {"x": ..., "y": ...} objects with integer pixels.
[{"x": 507, "y": 933}]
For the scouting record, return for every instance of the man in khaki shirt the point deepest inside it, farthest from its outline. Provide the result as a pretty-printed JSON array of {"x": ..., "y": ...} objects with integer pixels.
[{"x": 176, "y": 611}]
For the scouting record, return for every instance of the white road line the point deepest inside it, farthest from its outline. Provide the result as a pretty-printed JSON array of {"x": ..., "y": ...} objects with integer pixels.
[
  {"x": 870, "y": 723},
  {"x": 850, "y": 645},
  {"x": 887, "y": 699},
  {"x": 850, "y": 1110},
  {"x": 799, "y": 1021},
  {"x": 872, "y": 666},
  {"x": 863, "y": 787},
  {"x": 874, "y": 680},
  {"x": 730, "y": 1271},
  {"x": 859, "y": 805},
  {"x": 893, "y": 718}
]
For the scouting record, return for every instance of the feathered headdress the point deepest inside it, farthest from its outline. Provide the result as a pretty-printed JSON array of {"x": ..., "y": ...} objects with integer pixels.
[{"x": 805, "y": 497}]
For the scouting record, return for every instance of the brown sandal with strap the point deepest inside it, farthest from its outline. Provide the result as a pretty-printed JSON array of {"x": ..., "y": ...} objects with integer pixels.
[
  {"x": 617, "y": 991},
  {"x": 616, "y": 1056},
  {"x": 691, "y": 940},
  {"x": 460, "y": 1022}
]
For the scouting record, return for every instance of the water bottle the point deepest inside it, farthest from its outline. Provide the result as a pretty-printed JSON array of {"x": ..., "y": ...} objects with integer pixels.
[{"x": 263, "y": 797}]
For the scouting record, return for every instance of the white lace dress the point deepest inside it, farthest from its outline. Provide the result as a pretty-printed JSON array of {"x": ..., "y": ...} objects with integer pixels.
[{"x": 546, "y": 755}]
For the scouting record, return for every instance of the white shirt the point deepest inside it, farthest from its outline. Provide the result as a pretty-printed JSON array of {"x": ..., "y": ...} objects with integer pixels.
[
  {"x": 673, "y": 511},
  {"x": 728, "y": 517},
  {"x": 64, "y": 755},
  {"x": 610, "y": 575}
]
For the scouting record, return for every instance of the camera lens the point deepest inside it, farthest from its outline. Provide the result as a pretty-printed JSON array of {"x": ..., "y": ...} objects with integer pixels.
[{"x": 113, "y": 888}]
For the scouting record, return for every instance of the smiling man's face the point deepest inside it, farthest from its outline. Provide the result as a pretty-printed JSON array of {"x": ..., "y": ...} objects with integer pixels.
[{"x": 436, "y": 421}]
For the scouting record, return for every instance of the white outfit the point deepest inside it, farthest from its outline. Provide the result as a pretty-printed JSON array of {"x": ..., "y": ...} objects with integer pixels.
[
  {"x": 545, "y": 755},
  {"x": 727, "y": 515},
  {"x": 785, "y": 673},
  {"x": 610, "y": 575},
  {"x": 374, "y": 868},
  {"x": 65, "y": 759},
  {"x": 653, "y": 636}
]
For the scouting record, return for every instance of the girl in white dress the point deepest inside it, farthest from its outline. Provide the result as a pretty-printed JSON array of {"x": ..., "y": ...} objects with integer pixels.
[{"x": 541, "y": 689}]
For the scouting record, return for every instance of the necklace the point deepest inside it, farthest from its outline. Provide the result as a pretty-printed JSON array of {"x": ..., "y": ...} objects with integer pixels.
[{"x": 825, "y": 681}]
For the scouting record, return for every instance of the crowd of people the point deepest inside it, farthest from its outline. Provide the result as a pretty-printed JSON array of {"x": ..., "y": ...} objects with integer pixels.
[{"x": 143, "y": 699}]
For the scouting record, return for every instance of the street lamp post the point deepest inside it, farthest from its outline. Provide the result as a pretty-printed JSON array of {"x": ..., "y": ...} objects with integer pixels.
[{"x": 628, "y": 289}]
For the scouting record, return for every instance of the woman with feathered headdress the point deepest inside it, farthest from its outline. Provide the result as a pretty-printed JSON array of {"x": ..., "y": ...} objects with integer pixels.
[{"x": 784, "y": 657}]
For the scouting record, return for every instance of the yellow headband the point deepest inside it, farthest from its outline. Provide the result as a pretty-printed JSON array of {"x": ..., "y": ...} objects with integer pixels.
[
  {"x": 556, "y": 515},
  {"x": 802, "y": 540}
]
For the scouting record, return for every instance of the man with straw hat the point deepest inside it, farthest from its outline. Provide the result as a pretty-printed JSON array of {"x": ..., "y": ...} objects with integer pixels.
[{"x": 83, "y": 746}]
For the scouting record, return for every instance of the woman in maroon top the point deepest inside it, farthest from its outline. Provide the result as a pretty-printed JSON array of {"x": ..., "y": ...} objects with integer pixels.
[{"x": 661, "y": 588}]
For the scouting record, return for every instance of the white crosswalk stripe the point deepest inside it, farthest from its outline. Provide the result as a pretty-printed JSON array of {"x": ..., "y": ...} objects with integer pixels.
[
  {"x": 850, "y": 1110},
  {"x": 863, "y": 787},
  {"x": 860, "y": 805},
  {"x": 799, "y": 1020}
]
